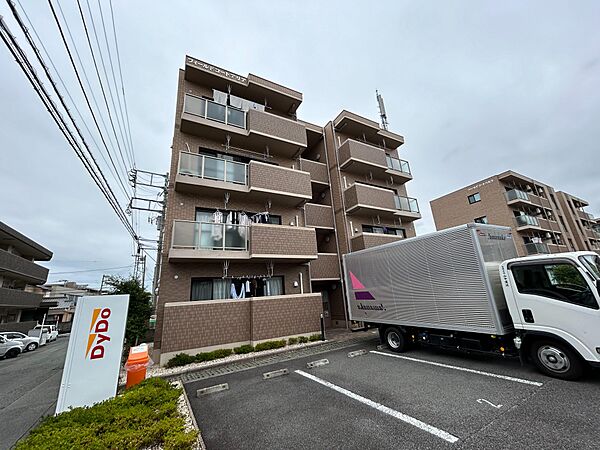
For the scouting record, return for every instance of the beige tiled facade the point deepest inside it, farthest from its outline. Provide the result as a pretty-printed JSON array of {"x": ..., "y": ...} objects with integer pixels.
[
  {"x": 543, "y": 220},
  {"x": 239, "y": 146}
]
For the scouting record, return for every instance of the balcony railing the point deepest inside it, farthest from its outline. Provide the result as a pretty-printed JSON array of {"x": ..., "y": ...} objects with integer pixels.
[
  {"x": 516, "y": 194},
  {"x": 210, "y": 236},
  {"x": 396, "y": 164},
  {"x": 536, "y": 248},
  {"x": 212, "y": 168},
  {"x": 208, "y": 109},
  {"x": 406, "y": 204},
  {"x": 526, "y": 220}
]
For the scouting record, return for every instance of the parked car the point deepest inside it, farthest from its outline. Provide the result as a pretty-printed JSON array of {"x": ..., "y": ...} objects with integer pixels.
[
  {"x": 51, "y": 330},
  {"x": 30, "y": 342},
  {"x": 10, "y": 349}
]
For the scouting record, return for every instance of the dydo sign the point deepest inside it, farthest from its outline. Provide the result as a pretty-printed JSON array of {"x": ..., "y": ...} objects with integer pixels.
[{"x": 93, "y": 360}]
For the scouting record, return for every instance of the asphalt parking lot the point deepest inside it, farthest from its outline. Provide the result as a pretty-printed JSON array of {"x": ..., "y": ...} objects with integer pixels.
[
  {"x": 29, "y": 387},
  {"x": 379, "y": 400}
]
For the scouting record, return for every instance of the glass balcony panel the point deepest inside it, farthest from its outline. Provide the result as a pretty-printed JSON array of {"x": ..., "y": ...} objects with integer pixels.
[
  {"x": 185, "y": 234},
  {"x": 514, "y": 194},
  {"x": 214, "y": 168},
  {"x": 236, "y": 118},
  {"x": 194, "y": 105},
  {"x": 190, "y": 164},
  {"x": 235, "y": 172},
  {"x": 236, "y": 237},
  {"x": 215, "y": 111},
  {"x": 211, "y": 236},
  {"x": 406, "y": 203},
  {"x": 413, "y": 205},
  {"x": 527, "y": 220}
]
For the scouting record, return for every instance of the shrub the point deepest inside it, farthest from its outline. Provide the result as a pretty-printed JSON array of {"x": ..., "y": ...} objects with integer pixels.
[
  {"x": 143, "y": 417},
  {"x": 292, "y": 340},
  {"x": 302, "y": 339},
  {"x": 269, "y": 345},
  {"x": 314, "y": 337},
  {"x": 215, "y": 354},
  {"x": 243, "y": 349},
  {"x": 180, "y": 359}
]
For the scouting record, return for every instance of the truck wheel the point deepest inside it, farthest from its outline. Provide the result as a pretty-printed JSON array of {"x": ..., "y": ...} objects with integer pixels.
[
  {"x": 557, "y": 360},
  {"x": 12, "y": 353},
  {"x": 394, "y": 339}
]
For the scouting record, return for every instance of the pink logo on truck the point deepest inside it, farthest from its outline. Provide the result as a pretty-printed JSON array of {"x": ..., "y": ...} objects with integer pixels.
[{"x": 356, "y": 284}]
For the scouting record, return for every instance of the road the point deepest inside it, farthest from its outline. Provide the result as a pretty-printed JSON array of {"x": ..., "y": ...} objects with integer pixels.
[
  {"x": 378, "y": 400},
  {"x": 28, "y": 389}
]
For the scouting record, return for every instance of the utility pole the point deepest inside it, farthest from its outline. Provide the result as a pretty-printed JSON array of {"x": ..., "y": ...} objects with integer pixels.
[{"x": 157, "y": 205}]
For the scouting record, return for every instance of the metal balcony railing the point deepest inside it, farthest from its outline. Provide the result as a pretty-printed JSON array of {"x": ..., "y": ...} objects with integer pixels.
[
  {"x": 536, "y": 248},
  {"x": 406, "y": 204},
  {"x": 525, "y": 220},
  {"x": 397, "y": 164},
  {"x": 210, "y": 236},
  {"x": 208, "y": 109},
  {"x": 212, "y": 168},
  {"x": 515, "y": 194}
]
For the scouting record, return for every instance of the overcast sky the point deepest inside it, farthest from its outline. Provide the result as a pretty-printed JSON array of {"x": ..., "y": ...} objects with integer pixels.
[{"x": 476, "y": 88}]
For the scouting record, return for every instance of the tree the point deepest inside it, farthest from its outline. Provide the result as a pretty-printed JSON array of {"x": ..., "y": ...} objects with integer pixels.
[{"x": 138, "y": 314}]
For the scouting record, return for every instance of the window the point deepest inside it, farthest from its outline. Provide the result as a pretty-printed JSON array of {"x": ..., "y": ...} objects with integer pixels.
[
  {"x": 592, "y": 262},
  {"x": 558, "y": 281},
  {"x": 482, "y": 219},
  {"x": 234, "y": 288},
  {"x": 383, "y": 230},
  {"x": 474, "y": 198}
]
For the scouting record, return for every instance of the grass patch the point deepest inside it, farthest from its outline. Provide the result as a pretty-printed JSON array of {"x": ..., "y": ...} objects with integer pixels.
[
  {"x": 143, "y": 416},
  {"x": 292, "y": 341},
  {"x": 314, "y": 337},
  {"x": 302, "y": 339}
]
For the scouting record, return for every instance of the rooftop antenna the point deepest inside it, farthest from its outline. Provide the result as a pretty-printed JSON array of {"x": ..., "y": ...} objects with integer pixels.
[{"x": 382, "y": 113}]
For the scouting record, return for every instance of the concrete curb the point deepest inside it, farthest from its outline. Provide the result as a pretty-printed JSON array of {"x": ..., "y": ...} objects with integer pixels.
[{"x": 200, "y": 445}]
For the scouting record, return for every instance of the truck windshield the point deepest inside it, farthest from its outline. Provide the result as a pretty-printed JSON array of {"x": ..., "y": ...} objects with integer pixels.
[{"x": 592, "y": 263}]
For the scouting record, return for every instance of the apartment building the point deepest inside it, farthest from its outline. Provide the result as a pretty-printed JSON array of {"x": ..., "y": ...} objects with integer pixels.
[
  {"x": 19, "y": 307},
  {"x": 585, "y": 229},
  {"x": 260, "y": 207},
  {"x": 531, "y": 208}
]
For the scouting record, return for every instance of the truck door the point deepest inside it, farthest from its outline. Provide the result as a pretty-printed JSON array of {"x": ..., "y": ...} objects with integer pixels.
[{"x": 554, "y": 296}]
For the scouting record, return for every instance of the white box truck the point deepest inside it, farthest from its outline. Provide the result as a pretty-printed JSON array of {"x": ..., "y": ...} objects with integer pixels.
[{"x": 464, "y": 288}]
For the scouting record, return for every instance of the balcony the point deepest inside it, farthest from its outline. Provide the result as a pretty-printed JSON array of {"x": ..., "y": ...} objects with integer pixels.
[
  {"x": 317, "y": 170},
  {"x": 206, "y": 241},
  {"x": 366, "y": 159},
  {"x": 408, "y": 208},
  {"x": 367, "y": 240},
  {"x": 15, "y": 267},
  {"x": 536, "y": 248},
  {"x": 371, "y": 200},
  {"x": 589, "y": 233},
  {"x": 208, "y": 175},
  {"x": 583, "y": 215},
  {"x": 525, "y": 222},
  {"x": 518, "y": 197},
  {"x": 319, "y": 216},
  {"x": 354, "y": 125},
  {"x": 557, "y": 248},
  {"x": 325, "y": 267},
  {"x": 246, "y": 129},
  {"x": 18, "y": 298}
]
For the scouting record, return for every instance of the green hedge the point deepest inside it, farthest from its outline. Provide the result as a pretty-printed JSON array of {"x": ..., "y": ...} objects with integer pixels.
[
  {"x": 142, "y": 417},
  {"x": 183, "y": 359},
  {"x": 269, "y": 345}
]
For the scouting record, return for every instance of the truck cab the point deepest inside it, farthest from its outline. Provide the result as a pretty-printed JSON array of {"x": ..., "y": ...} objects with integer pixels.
[{"x": 554, "y": 302}]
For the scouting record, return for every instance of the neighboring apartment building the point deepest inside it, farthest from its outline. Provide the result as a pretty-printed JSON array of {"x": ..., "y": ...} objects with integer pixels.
[
  {"x": 530, "y": 207},
  {"x": 19, "y": 307},
  {"x": 584, "y": 227},
  {"x": 64, "y": 294},
  {"x": 260, "y": 208}
]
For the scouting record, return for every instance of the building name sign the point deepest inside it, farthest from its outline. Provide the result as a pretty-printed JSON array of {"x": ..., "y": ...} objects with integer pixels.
[
  {"x": 216, "y": 70},
  {"x": 478, "y": 185}
]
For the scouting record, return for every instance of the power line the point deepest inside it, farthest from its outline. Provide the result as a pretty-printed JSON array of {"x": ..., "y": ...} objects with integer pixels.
[
  {"x": 30, "y": 73},
  {"x": 30, "y": 40},
  {"x": 112, "y": 69},
  {"x": 91, "y": 270},
  {"x": 112, "y": 15},
  {"x": 98, "y": 75}
]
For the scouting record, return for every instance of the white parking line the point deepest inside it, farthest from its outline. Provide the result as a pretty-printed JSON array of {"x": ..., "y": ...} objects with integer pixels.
[
  {"x": 464, "y": 369},
  {"x": 384, "y": 409}
]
